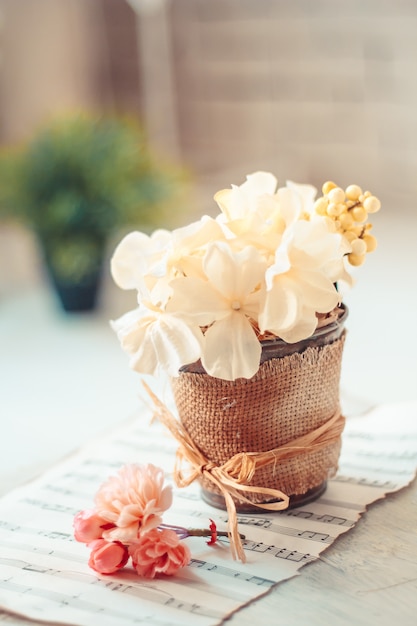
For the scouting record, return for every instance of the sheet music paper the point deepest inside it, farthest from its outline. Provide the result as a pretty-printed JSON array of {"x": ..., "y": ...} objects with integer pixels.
[{"x": 44, "y": 573}]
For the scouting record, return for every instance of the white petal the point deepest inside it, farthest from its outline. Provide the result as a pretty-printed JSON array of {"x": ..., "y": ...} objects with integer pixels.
[
  {"x": 175, "y": 343},
  {"x": 223, "y": 198},
  {"x": 317, "y": 290},
  {"x": 196, "y": 235},
  {"x": 303, "y": 329},
  {"x": 281, "y": 264},
  {"x": 235, "y": 203},
  {"x": 235, "y": 274},
  {"x": 145, "y": 360},
  {"x": 259, "y": 183},
  {"x": 281, "y": 307},
  {"x": 128, "y": 263},
  {"x": 131, "y": 327},
  {"x": 162, "y": 341},
  {"x": 158, "y": 340},
  {"x": 231, "y": 349},
  {"x": 290, "y": 205},
  {"x": 314, "y": 245},
  {"x": 195, "y": 299},
  {"x": 307, "y": 194}
]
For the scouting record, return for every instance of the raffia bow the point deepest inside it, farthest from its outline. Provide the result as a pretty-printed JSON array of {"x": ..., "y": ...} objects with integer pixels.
[{"x": 232, "y": 477}]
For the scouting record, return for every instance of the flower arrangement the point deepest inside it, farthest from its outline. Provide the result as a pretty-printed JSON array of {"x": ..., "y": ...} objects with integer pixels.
[
  {"x": 271, "y": 265},
  {"x": 126, "y": 522}
]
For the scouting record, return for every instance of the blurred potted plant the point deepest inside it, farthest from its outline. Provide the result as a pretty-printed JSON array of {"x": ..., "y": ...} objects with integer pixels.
[{"x": 79, "y": 180}]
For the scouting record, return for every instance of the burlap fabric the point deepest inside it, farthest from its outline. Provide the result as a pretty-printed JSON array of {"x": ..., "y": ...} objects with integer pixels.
[{"x": 288, "y": 398}]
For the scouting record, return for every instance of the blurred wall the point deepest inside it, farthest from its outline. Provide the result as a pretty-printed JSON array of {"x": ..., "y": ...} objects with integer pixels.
[
  {"x": 308, "y": 90},
  {"x": 59, "y": 55}
]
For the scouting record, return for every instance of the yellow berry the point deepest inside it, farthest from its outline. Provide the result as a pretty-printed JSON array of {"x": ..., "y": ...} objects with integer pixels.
[
  {"x": 372, "y": 204},
  {"x": 358, "y": 247},
  {"x": 346, "y": 221},
  {"x": 336, "y": 195},
  {"x": 350, "y": 235},
  {"x": 328, "y": 186},
  {"x": 370, "y": 242},
  {"x": 367, "y": 194},
  {"x": 320, "y": 206},
  {"x": 353, "y": 192},
  {"x": 334, "y": 210},
  {"x": 359, "y": 214},
  {"x": 356, "y": 259},
  {"x": 357, "y": 230}
]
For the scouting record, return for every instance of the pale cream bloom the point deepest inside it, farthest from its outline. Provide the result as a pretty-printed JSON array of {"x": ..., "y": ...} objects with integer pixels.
[
  {"x": 189, "y": 245},
  {"x": 158, "y": 340},
  {"x": 225, "y": 302},
  {"x": 237, "y": 202},
  {"x": 138, "y": 255},
  {"x": 305, "y": 194},
  {"x": 300, "y": 282},
  {"x": 251, "y": 215}
]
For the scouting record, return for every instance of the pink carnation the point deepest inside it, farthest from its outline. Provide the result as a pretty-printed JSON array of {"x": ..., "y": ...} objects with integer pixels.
[
  {"x": 133, "y": 501},
  {"x": 159, "y": 552},
  {"x": 89, "y": 526},
  {"x": 107, "y": 557}
]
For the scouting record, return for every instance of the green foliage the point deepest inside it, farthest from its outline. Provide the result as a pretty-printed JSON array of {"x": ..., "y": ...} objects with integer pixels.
[{"x": 81, "y": 179}]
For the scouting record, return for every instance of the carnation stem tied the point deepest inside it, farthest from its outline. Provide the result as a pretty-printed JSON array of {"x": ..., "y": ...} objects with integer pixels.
[{"x": 232, "y": 477}]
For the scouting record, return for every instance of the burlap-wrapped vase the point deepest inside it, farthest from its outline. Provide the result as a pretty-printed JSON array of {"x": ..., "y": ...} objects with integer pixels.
[{"x": 285, "y": 408}]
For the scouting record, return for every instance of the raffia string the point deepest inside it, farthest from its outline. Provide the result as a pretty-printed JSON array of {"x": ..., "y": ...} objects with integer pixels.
[{"x": 231, "y": 477}]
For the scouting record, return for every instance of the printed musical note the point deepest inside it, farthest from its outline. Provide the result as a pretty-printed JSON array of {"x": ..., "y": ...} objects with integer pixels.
[{"x": 227, "y": 571}]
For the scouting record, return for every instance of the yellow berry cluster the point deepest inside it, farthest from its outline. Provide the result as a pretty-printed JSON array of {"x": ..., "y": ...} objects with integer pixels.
[{"x": 349, "y": 210}]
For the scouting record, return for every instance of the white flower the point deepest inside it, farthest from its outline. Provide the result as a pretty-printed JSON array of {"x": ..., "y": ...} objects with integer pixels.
[
  {"x": 188, "y": 246},
  {"x": 139, "y": 260},
  {"x": 237, "y": 202},
  {"x": 156, "y": 339},
  {"x": 300, "y": 282},
  {"x": 225, "y": 302},
  {"x": 306, "y": 195}
]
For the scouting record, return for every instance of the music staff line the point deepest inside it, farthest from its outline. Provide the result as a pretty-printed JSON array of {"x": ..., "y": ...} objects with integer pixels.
[
  {"x": 206, "y": 565},
  {"x": 356, "y": 467},
  {"x": 262, "y": 521},
  {"x": 401, "y": 455},
  {"x": 280, "y": 553},
  {"x": 50, "y": 506},
  {"x": 286, "y": 530},
  {"x": 365, "y": 482},
  {"x": 27, "y": 530},
  {"x": 227, "y": 571},
  {"x": 146, "y": 592},
  {"x": 24, "y": 547},
  {"x": 378, "y": 438}
]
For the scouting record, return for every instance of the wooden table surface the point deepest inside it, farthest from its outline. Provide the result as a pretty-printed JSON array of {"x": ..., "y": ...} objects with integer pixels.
[{"x": 368, "y": 576}]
